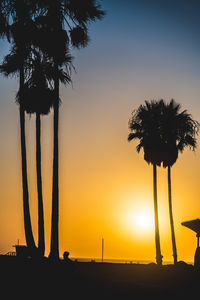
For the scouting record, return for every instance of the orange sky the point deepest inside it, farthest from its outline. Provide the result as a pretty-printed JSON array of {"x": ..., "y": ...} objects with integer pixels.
[
  {"x": 103, "y": 188},
  {"x": 104, "y": 183}
]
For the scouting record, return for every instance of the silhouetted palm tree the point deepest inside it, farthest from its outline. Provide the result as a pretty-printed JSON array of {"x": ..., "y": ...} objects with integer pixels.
[
  {"x": 178, "y": 133},
  {"x": 38, "y": 98},
  {"x": 19, "y": 12},
  {"x": 145, "y": 126},
  {"x": 60, "y": 23},
  {"x": 75, "y": 16}
]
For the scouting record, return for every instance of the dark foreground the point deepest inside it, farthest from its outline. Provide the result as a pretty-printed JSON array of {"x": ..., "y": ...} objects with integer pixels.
[{"x": 33, "y": 279}]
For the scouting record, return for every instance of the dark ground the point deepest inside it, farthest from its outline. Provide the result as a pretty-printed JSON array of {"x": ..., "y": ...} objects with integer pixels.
[{"x": 30, "y": 279}]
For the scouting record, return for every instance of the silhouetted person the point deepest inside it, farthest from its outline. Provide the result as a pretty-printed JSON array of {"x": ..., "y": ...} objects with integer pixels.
[{"x": 66, "y": 257}]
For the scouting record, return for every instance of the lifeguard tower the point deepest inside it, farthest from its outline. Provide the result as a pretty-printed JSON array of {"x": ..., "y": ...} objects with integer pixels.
[
  {"x": 21, "y": 251},
  {"x": 195, "y": 226}
]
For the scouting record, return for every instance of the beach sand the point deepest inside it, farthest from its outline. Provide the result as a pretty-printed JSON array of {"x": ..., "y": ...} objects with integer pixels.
[{"x": 78, "y": 280}]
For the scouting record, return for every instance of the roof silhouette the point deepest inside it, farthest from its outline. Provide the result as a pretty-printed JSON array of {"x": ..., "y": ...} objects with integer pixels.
[{"x": 193, "y": 225}]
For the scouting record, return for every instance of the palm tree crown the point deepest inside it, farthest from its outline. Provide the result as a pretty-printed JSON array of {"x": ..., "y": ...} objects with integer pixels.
[
  {"x": 163, "y": 131},
  {"x": 145, "y": 125},
  {"x": 179, "y": 131}
]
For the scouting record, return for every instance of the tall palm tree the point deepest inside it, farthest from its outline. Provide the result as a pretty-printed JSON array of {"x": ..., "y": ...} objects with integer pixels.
[
  {"x": 38, "y": 98},
  {"x": 19, "y": 12},
  {"x": 145, "y": 126},
  {"x": 24, "y": 34},
  {"x": 63, "y": 22},
  {"x": 178, "y": 132}
]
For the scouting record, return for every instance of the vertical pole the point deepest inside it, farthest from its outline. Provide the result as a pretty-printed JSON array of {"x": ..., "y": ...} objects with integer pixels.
[{"x": 102, "y": 250}]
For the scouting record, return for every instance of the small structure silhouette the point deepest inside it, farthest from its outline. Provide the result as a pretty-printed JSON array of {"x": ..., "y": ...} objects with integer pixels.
[
  {"x": 22, "y": 251},
  {"x": 195, "y": 226}
]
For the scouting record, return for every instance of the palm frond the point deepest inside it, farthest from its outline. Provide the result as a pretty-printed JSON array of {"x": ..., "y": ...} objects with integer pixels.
[
  {"x": 11, "y": 65},
  {"x": 133, "y": 136},
  {"x": 36, "y": 100},
  {"x": 79, "y": 37},
  {"x": 4, "y": 26},
  {"x": 83, "y": 11}
]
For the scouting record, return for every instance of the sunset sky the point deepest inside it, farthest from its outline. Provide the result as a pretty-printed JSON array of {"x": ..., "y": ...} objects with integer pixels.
[{"x": 141, "y": 50}]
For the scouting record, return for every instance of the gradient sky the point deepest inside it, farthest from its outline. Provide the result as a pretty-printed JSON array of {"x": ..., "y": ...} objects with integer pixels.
[{"x": 141, "y": 50}]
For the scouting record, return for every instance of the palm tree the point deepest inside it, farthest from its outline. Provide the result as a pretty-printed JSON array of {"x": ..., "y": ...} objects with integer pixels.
[
  {"x": 61, "y": 65},
  {"x": 19, "y": 11},
  {"x": 62, "y": 23},
  {"x": 178, "y": 133},
  {"x": 145, "y": 126},
  {"x": 38, "y": 98}
]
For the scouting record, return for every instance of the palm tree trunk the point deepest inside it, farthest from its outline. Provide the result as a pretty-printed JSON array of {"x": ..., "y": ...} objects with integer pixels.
[
  {"x": 27, "y": 219},
  {"x": 157, "y": 236},
  {"x": 54, "y": 252},
  {"x": 171, "y": 216},
  {"x": 41, "y": 243}
]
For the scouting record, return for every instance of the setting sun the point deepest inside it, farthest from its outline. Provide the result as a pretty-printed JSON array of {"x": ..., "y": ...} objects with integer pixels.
[
  {"x": 137, "y": 216},
  {"x": 144, "y": 220}
]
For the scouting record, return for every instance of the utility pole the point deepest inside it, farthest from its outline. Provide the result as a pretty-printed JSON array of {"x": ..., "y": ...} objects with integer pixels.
[{"x": 102, "y": 248}]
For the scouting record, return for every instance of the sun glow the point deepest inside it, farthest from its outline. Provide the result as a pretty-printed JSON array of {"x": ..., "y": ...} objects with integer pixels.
[
  {"x": 143, "y": 220},
  {"x": 137, "y": 217}
]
